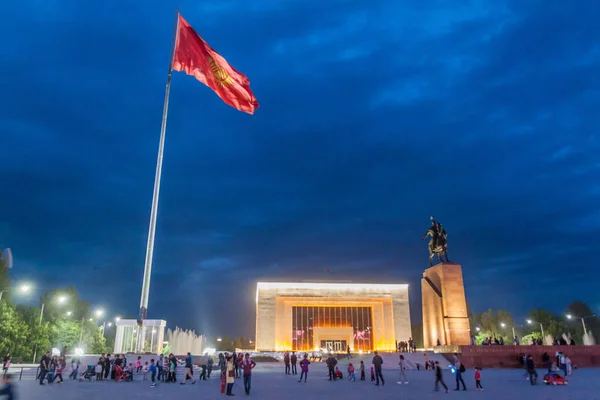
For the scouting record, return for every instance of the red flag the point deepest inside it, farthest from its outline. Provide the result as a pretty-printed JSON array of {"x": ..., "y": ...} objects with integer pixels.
[{"x": 195, "y": 57}]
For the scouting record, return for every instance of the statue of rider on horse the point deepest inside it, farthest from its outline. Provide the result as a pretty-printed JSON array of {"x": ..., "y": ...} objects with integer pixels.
[{"x": 438, "y": 244}]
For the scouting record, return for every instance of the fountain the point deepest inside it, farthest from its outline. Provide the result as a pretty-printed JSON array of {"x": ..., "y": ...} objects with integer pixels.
[
  {"x": 181, "y": 342},
  {"x": 588, "y": 339},
  {"x": 548, "y": 340}
]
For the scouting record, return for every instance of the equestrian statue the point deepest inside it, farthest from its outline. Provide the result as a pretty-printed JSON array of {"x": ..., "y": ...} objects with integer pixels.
[{"x": 438, "y": 244}]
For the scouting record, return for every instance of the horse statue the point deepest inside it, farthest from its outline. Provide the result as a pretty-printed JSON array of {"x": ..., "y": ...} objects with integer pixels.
[{"x": 438, "y": 245}]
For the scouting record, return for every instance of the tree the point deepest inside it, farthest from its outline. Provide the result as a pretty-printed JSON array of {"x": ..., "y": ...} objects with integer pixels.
[
  {"x": 55, "y": 309},
  {"x": 65, "y": 332},
  {"x": 490, "y": 325},
  {"x": 97, "y": 343},
  {"x": 553, "y": 324},
  {"x": 13, "y": 331}
]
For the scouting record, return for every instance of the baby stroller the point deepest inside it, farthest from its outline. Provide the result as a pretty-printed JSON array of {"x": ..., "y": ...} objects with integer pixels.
[
  {"x": 89, "y": 373},
  {"x": 127, "y": 375}
]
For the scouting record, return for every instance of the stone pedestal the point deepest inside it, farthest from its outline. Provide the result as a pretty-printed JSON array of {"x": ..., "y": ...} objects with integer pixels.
[
  {"x": 444, "y": 306},
  {"x": 153, "y": 334}
]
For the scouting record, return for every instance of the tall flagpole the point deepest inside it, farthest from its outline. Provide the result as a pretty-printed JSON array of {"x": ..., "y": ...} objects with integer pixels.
[{"x": 141, "y": 333}]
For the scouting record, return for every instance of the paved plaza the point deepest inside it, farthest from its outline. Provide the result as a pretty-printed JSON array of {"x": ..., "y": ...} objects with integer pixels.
[{"x": 270, "y": 382}]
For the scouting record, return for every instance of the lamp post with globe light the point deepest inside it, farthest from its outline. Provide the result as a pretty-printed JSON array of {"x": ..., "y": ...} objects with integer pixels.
[
  {"x": 61, "y": 299},
  {"x": 529, "y": 321},
  {"x": 23, "y": 289},
  {"x": 569, "y": 316},
  {"x": 503, "y": 325}
]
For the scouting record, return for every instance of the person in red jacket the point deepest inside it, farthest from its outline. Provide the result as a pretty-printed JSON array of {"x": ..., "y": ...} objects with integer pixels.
[
  {"x": 247, "y": 367},
  {"x": 478, "y": 379}
]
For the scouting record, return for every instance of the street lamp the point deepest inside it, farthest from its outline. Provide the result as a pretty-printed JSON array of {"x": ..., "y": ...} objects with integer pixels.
[
  {"x": 503, "y": 325},
  {"x": 569, "y": 316},
  {"x": 117, "y": 319},
  {"x": 69, "y": 313},
  {"x": 219, "y": 339},
  {"x": 477, "y": 328},
  {"x": 61, "y": 299},
  {"x": 23, "y": 289},
  {"x": 99, "y": 312},
  {"x": 541, "y": 326}
]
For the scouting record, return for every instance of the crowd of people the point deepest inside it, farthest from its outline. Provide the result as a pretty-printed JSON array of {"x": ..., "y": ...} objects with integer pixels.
[{"x": 239, "y": 366}]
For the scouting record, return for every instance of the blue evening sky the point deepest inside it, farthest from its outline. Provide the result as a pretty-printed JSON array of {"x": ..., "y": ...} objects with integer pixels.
[{"x": 373, "y": 116}]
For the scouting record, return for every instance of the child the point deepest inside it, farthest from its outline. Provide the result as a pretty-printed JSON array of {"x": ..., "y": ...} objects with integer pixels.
[
  {"x": 372, "y": 374},
  {"x": 338, "y": 373},
  {"x": 402, "y": 378},
  {"x": 145, "y": 371},
  {"x": 138, "y": 364},
  {"x": 59, "y": 371},
  {"x": 152, "y": 369},
  {"x": 172, "y": 377},
  {"x": 478, "y": 386},
  {"x": 351, "y": 375},
  {"x": 362, "y": 371},
  {"x": 98, "y": 369},
  {"x": 166, "y": 369}
]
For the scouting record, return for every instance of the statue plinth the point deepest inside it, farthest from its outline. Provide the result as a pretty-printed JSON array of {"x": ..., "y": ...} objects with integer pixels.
[{"x": 445, "y": 315}]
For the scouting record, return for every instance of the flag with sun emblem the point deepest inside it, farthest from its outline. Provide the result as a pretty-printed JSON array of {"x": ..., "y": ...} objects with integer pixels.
[{"x": 195, "y": 57}]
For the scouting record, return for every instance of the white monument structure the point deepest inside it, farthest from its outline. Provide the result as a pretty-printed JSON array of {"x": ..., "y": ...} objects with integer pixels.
[{"x": 126, "y": 337}]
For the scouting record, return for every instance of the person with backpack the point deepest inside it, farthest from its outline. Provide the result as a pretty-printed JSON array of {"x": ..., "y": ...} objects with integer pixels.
[{"x": 460, "y": 369}]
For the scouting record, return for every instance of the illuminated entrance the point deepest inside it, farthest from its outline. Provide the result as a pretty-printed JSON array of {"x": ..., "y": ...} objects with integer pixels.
[
  {"x": 332, "y": 328},
  {"x": 335, "y": 346}
]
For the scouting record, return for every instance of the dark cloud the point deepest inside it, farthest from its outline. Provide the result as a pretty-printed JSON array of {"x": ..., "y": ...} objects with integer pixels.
[{"x": 372, "y": 118}]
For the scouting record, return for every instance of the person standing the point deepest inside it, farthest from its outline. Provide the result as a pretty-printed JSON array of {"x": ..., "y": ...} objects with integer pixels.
[
  {"x": 331, "y": 363},
  {"x": 377, "y": 361},
  {"x": 230, "y": 367},
  {"x": 286, "y": 361},
  {"x": 188, "y": 369},
  {"x": 362, "y": 370},
  {"x": 209, "y": 365},
  {"x": 159, "y": 367},
  {"x": 401, "y": 364},
  {"x": 107, "y": 363},
  {"x": 304, "y": 368},
  {"x": 348, "y": 354},
  {"x": 294, "y": 360},
  {"x": 44, "y": 365},
  {"x": 438, "y": 377},
  {"x": 531, "y": 370},
  {"x": 460, "y": 368},
  {"x": 6, "y": 364},
  {"x": 247, "y": 366},
  {"x": 478, "y": 386},
  {"x": 426, "y": 361},
  {"x": 153, "y": 370}
]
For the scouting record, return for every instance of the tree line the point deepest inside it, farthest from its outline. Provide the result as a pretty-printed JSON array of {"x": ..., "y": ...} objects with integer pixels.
[{"x": 22, "y": 334}]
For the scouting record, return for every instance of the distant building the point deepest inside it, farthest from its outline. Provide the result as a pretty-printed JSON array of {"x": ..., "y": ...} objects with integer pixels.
[{"x": 333, "y": 316}]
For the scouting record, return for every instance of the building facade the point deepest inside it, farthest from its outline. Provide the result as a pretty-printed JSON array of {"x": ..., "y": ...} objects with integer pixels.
[{"x": 333, "y": 316}]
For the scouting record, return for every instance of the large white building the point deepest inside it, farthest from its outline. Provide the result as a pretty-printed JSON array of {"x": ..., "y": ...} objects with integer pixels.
[{"x": 309, "y": 316}]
